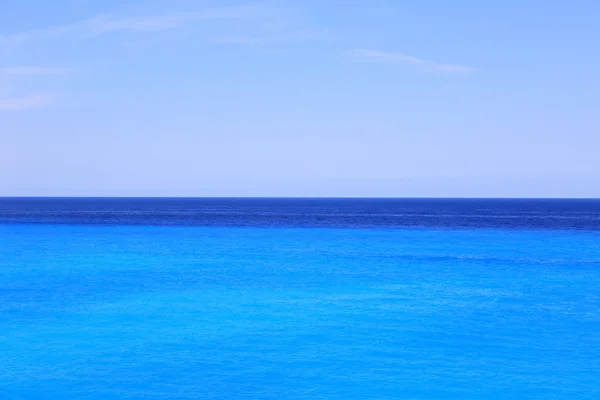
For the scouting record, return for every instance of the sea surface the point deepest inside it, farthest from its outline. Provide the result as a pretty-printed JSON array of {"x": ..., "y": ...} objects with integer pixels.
[{"x": 299, "y": 299}]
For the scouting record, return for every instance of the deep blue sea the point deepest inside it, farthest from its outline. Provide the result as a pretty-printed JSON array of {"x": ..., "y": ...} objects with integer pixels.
[{"x": 299, "y": 299}]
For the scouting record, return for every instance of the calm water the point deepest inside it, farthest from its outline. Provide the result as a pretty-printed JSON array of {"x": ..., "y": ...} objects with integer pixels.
[{"x": 299, "y": 299}]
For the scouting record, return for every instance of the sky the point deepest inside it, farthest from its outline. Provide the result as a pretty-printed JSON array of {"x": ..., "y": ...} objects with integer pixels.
[{"x": 311, "y": 98}]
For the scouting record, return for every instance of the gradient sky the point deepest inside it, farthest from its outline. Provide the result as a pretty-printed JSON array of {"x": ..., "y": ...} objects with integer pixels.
[{"x": 300, "y": 98}]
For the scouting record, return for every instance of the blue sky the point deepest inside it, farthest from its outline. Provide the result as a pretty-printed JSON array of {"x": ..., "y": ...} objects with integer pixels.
[{"x": 300, "y": 98}]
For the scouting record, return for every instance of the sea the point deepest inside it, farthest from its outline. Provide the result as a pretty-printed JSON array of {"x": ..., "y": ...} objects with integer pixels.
[{"x": 182, "y": 298}]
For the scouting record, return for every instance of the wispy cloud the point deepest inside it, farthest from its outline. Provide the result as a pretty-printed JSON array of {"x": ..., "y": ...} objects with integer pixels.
[
  {"x": 277, "y": 38},
  {"x": 239, "y": 40},
  {"x": 105, "y": 24},
  {"x": 404, "y": 58},
  {"x": 38, "y": 100},
  {"x": 13, "y": 102},
  {"x": 32, "y": 71}
]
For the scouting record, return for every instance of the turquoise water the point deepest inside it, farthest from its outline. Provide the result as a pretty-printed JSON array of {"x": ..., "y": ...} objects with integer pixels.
[{"x": 114, "y": 311}]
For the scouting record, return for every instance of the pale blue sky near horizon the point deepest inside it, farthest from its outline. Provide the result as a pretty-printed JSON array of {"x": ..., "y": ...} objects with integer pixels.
[{"x": 375, "y": 98}]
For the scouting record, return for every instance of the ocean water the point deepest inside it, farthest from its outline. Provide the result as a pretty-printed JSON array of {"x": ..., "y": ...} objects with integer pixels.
[{"x": 299, "y": 299}]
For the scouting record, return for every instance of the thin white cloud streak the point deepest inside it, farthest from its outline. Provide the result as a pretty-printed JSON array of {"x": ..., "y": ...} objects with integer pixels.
[
  {"x": 298, "y": 36},
  {"x": 239, "y": 40},
  {"x": 38, "y": 100},
  {"x": 33, "y": 71},
  {"x": 105, "y": 24},
  {"x": 404, "y": 58}
]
